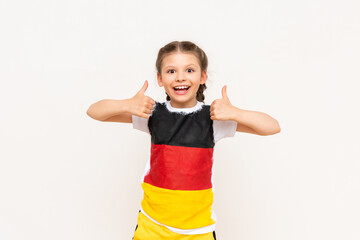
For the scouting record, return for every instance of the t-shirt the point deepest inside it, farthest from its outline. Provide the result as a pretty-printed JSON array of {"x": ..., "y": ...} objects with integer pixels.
[{"x": 177, "y": 180}]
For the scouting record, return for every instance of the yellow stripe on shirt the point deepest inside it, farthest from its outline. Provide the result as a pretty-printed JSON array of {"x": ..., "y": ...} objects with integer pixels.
[{"x": 178, "y": 208}]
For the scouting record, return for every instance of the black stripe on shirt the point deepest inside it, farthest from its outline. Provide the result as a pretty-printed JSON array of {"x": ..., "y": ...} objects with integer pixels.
[{"x": 193, "y": 129}]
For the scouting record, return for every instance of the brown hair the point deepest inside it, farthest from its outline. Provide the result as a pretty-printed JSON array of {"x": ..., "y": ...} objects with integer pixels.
[{"x": 185, "y": 47}]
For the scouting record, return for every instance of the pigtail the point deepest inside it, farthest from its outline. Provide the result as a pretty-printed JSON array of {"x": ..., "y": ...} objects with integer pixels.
[{"x": 200, "y": 93}]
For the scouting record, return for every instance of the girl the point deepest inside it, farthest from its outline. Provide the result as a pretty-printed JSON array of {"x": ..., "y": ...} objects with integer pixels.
[{"x": 177, "y": 180}]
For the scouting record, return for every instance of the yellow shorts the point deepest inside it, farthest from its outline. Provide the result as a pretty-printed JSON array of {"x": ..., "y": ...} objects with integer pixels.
[{"x": 148, "y": 230}]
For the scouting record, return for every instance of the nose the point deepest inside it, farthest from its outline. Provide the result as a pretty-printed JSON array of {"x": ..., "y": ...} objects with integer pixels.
[{"x": 180, "y": 77}]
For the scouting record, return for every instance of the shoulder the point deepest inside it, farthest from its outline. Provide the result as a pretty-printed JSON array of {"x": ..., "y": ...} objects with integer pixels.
[
  {"x": 223, "y": 129},
  {"x": 158, "y": 106},
  {"x": 205, "y": 106}
]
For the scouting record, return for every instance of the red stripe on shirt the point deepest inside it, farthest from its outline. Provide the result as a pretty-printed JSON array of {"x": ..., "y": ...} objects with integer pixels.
[{"x": 180, "y": 168}]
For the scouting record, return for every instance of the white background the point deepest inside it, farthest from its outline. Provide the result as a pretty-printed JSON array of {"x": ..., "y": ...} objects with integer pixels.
[{"x": 64, "y": 175}]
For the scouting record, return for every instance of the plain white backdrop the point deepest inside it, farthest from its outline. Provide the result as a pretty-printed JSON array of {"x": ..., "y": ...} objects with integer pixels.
[{"x": 64, "y": 175}]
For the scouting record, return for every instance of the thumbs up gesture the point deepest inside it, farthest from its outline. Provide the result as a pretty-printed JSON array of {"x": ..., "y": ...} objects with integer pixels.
[
  {"x": 140, "y": 104},
  {"x": 222, "y": 109}
]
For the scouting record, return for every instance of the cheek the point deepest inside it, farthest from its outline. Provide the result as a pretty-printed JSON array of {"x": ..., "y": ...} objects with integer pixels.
[
  {"x": 165, "y": 84},
  {"x": 167, "y": 81}
]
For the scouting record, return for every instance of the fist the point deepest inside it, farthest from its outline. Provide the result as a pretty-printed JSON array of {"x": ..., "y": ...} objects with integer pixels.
[
  {"x": 222, "y": 109},
  {"x": 140, "y": 104}
]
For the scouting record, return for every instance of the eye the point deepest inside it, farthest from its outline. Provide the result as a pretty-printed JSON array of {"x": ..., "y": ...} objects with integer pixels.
[
  {"x": 190, "y": 69},
  {"x": 170, "y": 70}
]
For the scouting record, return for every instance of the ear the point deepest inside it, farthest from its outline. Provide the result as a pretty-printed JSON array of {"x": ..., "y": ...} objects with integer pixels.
[
  {"x": 159, "y": 79},
  {"x": 203, "y": 77}
]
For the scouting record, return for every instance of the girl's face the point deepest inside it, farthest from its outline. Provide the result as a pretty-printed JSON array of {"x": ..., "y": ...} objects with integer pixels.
[{"x": 181, "y": 77}]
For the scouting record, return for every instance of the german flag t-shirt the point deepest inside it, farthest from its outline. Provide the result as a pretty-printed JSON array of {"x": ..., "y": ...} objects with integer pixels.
[{"x": 177, "y": 181}]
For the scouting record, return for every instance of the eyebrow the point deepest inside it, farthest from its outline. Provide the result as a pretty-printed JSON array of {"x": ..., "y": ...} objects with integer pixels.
[{"x": 185, "y": 66}]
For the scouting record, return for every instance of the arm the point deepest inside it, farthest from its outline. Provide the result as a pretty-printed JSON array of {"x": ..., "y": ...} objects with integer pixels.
[
  {"x": 255, "y": 122},
  {"x": 109, "y": 110},
  {"x": 247, "y": 121}
]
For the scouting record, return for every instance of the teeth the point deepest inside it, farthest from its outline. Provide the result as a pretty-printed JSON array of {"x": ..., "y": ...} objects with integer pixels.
[{"x": 181, "y": 87}]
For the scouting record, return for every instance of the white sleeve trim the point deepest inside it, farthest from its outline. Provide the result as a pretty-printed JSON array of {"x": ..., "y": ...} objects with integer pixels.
[
  {"x": 140, "y": 123},
  {"x": 223, "y": 129}
]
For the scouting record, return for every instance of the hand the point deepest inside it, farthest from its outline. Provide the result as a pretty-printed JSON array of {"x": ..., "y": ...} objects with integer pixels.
[
  {"x": 140, "y": 104},
  {"x": 222, "y": 109}
]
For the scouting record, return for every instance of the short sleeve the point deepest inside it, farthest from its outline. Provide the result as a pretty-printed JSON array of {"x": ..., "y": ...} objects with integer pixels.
[
  {"x": 223, "y": 129},
  {"x": 140, "y": 123}
]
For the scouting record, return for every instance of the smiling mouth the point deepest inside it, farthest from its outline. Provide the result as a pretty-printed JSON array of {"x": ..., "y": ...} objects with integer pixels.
[{"x": 181, "y": 88}]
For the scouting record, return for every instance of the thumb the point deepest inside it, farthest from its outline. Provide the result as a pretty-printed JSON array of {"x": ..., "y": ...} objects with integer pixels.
[
  {"x": 144, "y": 87},
  {"x": 224, "y": 93}
]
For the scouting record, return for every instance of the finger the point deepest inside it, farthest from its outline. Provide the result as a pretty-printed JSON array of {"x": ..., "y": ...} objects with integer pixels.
[
  {"x": 145, "y": 116},
  {"x": 223, "y": 92},
  {"x": 149, "y": 106},
  {"x": 212, "y": 105},
  {"x": 147, "y": 111},
  {"x": 144, "y": 87},
  {"x": 151, "y": 100}
]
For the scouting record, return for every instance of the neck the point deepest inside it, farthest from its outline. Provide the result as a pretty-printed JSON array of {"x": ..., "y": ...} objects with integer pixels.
[{"x": 183, "y": 105}]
